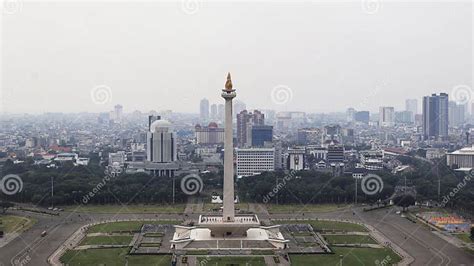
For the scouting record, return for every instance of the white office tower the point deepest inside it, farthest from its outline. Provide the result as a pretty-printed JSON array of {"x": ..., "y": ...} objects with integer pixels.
[
  {"x": 387, "y": 117},
  {"x": 204, "y": 110},
  {"x": 161, "y": 142}
]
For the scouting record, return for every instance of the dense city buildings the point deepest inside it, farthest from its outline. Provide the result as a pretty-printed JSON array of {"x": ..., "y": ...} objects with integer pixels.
[
  {"x": 435, "y": 116},
  {"x": 307, "y": 136}
]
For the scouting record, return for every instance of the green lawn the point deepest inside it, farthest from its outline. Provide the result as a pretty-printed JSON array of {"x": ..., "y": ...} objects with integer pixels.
[
  {"x": 464, "y": 237},
  {"x": 11, "y": 223},
  {"x": 234, "y": 261},
  {"x": 112, "y": 256},
  {"x": 107, "y": 240},
  {"x": 352, "y": 256},
  {"x": 349, "y": 239},
  {"x": 319, "y": 225},
  {"x": 273, "y": 208},
  {"x": 124, "y": 226},
  {"x": 132, "y": 208}
]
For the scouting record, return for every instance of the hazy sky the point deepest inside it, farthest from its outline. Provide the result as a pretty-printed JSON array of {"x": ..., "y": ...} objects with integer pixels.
[{"x": 169, "y": 55}]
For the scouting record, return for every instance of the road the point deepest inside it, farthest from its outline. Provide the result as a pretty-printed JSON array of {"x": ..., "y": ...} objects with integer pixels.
[{"x": 416, "y": 239}]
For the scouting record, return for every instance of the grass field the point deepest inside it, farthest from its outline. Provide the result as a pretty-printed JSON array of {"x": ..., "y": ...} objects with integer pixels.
[
  {"x": 18, "y": 224},
  {"x": 349, "y": 239},
  {"x": 273, "y": 208},
  {"x": 106, "y": 240},
  {"x": 234, "y": 261},
  {"x": 319, "y": 225},
  {"x": 351, "y": 256},
  {"x": 124, "y": 226},
  {"x": 112, "y": 256},
  {"x": 132, "y": 208},
  {"x": 464, "y": 237}
]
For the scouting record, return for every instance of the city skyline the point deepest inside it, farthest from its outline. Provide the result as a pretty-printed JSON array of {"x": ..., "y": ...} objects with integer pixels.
[{"x": 375, "y": 68}]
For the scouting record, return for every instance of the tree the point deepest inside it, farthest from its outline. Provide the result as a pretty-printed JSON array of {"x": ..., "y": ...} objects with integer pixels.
[
  {"x": 404, "y": 200},
  {"x": 472, "y": 233},
  {"x": 5, "y": 205}
]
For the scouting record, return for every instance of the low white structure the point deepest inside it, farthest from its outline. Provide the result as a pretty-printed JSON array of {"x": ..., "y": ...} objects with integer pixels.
[{"x": 463, "y": 158}]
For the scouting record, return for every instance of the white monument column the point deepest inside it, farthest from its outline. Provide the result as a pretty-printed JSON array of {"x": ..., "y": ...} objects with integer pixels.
[{"x": 228, "y": 94}]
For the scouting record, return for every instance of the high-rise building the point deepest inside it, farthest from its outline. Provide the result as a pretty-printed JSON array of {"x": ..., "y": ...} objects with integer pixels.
[
  {"x": 362, "y": 116},
  {"x": 350, "y": 114},
  {"x": 386, "y": 116},
  {"x": 253, "y": 161},
  {"x": 456, "y": 114},
  {"x": 331, "y": 135},
  {"x": 261, "y": 134},
  {"x": 117, "y": 114},
  {"x": 161, "y": 144},
  {"x": 211, "y": 134},
  {"x": 411, "y": 105},
  {"x": 220, "y": 112},
  {"x": 214, "y": 111},
  {"x": 151, "y": 119},
  {"x": 239, "y": 106},
  {"x": 404, "y": 117},
  {"x": 204, "y": 109},
  {"x": 245, "y": 121},
  {"x": 435, "y": 116},
  {"x": 335, "y": 154}
]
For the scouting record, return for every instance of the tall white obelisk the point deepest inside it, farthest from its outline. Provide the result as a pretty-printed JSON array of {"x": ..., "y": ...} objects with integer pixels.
[{"x": 228, "y": 94}]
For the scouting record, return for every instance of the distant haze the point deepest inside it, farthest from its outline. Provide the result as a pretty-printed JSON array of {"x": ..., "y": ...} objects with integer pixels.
[{"x": 167, "y": 55}]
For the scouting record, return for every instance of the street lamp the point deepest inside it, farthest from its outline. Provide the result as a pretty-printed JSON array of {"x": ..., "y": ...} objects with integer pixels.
[{"x": 52, "y": 191}]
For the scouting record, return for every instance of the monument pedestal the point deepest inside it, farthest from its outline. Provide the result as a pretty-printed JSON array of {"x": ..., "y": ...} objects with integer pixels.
[{"x": 212, "y": 233}]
